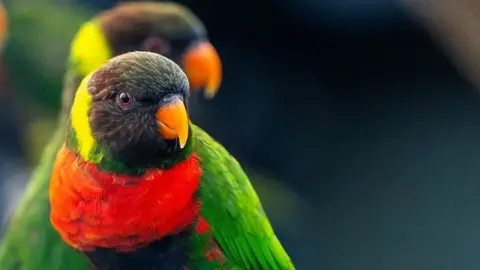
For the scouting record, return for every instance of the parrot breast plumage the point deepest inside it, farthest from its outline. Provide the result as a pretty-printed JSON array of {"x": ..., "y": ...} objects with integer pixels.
[{"x": 93, "y": 208}]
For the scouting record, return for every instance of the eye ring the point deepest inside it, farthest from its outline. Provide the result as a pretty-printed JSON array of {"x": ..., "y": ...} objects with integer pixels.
[{"x": 125, "y": 100}]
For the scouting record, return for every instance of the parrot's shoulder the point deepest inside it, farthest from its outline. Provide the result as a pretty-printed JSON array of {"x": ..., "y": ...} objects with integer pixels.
[{"x": 233, "y": 209}]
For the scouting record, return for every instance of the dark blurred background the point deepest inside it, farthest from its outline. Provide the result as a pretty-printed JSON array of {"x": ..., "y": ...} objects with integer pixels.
[{"x": 355, "y": 119}]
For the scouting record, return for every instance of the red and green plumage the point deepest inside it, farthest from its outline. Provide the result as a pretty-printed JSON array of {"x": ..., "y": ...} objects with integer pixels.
[
  {"x": 253, "y": 234},
  {"x": 92, "y": 208}
]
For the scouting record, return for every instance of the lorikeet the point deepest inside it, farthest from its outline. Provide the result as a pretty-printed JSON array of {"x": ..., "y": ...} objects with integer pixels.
[
  {"x": 29, "y": 242},
  {"x": 136, "y": 185}
]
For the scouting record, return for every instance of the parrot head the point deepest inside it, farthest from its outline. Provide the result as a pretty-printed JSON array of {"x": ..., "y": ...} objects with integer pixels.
[
  {"x": 133, "y": 108},
  {"x": 169, "y": 29}
]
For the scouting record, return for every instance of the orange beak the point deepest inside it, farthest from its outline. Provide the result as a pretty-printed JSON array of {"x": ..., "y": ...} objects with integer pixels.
[
  {"x": 203, "y": 67},
  {"x": 3, "y": 24},
  {"x": 173, "y": 121}
]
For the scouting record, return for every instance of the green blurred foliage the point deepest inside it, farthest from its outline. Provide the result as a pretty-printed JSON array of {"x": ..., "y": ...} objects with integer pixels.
[
  {"x": 37, "y": 134},
  {"x": 40, "y": 35},
  {"x": 36, "y": 53}
]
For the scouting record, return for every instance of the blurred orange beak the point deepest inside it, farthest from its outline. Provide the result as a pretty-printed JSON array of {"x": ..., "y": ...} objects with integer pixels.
[
  {"x": 3, "y": 24},
  {"x": 173, "y": 121},
  {"x": 203, "y": 67}
]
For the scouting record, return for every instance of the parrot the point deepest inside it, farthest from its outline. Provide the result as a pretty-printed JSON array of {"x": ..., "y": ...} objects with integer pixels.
[
  {"x": 136, "y": 185},
  {"x": 28, "y": 241}
]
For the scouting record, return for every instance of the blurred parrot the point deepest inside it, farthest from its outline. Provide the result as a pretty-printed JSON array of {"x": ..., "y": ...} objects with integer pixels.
[
  {"x": 166, "y": 28},
  {"x": 31, "y": 243},
  {"x": 136, "y": 185}
]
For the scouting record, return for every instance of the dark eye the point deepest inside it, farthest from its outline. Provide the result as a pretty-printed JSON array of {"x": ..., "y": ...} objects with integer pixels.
[{"x": 125, "y": 100}]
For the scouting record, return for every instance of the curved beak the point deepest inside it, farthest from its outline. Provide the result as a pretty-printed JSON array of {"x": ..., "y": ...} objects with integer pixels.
[
  {"x": 203, "y": 67},
  {"x": 172, "y": 120},
  {"x": 3, "y": 24}
]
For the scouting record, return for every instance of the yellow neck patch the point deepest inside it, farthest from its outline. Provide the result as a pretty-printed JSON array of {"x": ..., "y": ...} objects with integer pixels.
[
  {"x": 89, "y": 51},
  {"x": 90, "y": 48},
  {"x": 81, "y": 124}
]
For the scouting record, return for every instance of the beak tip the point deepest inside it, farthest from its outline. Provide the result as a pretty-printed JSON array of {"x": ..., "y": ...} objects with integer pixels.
[
  {"x": 182, "y": 145},
  {"x": 183, "y": 136},
  {"x": 209, "y": 94}
]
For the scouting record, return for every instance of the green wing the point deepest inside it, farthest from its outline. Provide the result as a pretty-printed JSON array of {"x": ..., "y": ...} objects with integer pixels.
[
  {"x": 233, "y": 209},
  {"x": 30, "y": 242}
]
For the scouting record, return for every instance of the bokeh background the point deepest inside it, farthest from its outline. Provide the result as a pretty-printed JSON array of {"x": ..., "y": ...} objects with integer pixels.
[{"x": 357, "y": 120}]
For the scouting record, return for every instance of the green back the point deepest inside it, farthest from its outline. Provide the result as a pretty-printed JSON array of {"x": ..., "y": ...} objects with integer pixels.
[
  {"x": 233, "y": 209},
  {"x": 30, "y": 242}
]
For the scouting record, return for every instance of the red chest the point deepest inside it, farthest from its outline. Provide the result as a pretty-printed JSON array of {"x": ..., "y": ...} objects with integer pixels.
[{"x": 93, "y": 208}]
